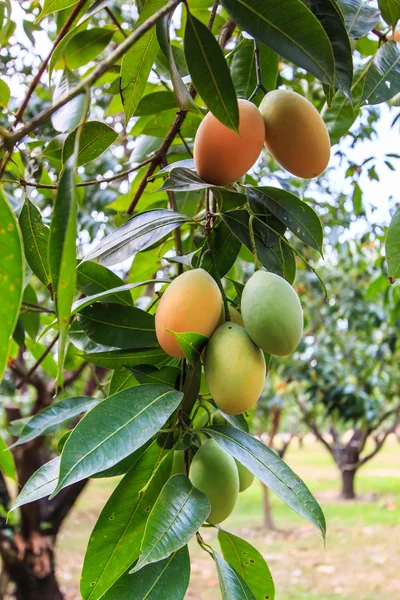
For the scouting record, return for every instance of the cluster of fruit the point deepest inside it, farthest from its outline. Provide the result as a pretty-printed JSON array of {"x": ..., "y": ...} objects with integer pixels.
[
  {"x": 287, "y": 123},
  {"x": 271, "y": 321}
]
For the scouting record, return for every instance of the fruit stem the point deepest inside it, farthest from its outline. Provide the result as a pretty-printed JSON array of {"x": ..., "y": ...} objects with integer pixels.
[
  {"x": 257, "y": 264},
  {"x": 260, "y": 86}
]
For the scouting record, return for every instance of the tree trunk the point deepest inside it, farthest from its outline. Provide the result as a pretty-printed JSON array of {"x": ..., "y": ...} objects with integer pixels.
[
  {"x": 348, "y": 491},
  {"x": 267, "y": 512}
]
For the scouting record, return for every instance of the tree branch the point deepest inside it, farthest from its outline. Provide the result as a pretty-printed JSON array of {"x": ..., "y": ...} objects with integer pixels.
[
  {"x": 28, "y": 376},
  {"x": 312, "y": 425}
]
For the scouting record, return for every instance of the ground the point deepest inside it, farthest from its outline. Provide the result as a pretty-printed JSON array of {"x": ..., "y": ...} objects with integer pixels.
[{"x": 362, "y": 554}]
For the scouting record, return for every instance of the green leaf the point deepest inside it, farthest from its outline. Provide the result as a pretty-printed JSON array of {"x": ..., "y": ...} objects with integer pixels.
[
  {"x": 390, "y": 10},
  {"x": 339, "y": 117},
  {"x": 56, "y": 414},
  {"x": 118, "y": 359},
  {"x": 210, "y": 73},
  {"x": 169, "y": 576},
  {"x": 86, "y": 46},
  {"x": 68, "y": 116},
  {"x": 118, "y": 326},
  {"x": 271, "y": 470},
  {"x": 158, "y": 125},
  {"x": 124, "y": 465},
  {"x": 93, "y": 279},
  {"x": 248, "y": 563},
  {"x": 95, "y": 138},
  {"x": 52, "y": 6},
  {"x": 360, "y": 17},
  {"x": 225, "y": 247},
  {"x": 151, "y": 374},
  {"x": 36, "y": 241},
  {"x": 30, "y": 320},
  {"x": 115, "y": 428},
  {"x": 191, "y": 344},
  {"x": 48, "y": 363},
  {"x": 7, "y": 465},
  {"x": 181, "y": 94},
  {"x": 232, "y": 586},
  {"x": 184, "y": 180},
  {"x": 115, "y": 541},
  {"x": 136, "y": 235},
  {"x": 357, "y": 199},
  {"x": 392, "y": 247},
  {"x": 138, "y": 61},
  {"x": 243, "y": 68},
  {"x": 238, "y": 421},
  {"x": 155, "y": 102},
  {"x": 382, "y": 79},
  {"x": 188, "y": 163},
  {"x": 5, "y": 93},
  {"x": 42, "y": 483},
  {"x": 272, "y": 252},
  {"x": 12, "y": 277},
  {"x": 294, "y": 33},
  {"x": 121, "y": 380},
  {"x": 297, "y": 215},
  {"x": 62, "y": 252},
  {"x": 179, "y": 511}
]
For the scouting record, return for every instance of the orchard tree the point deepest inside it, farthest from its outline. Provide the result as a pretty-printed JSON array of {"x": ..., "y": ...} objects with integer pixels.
[{"x": 124, "y": 89}]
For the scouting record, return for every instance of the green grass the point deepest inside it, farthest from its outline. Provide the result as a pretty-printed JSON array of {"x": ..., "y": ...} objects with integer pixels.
[{"x": 361, "y": 557}]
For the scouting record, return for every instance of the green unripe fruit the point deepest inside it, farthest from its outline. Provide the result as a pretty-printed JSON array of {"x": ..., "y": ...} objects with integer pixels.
[
  {"x": 218, "y": 419},
  {"x": 178, "y": 462},
  {"x": 272, "y": 313},
  {"x": 234, "y": 368},
  {"x": 246, "y": 478},
  {"x": 234, "y": 314},
  {"x": 214, "y": 472}
]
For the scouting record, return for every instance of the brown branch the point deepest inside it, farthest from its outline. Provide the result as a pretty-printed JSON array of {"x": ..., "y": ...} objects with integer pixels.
[
  {"x": 28, "y": 376},
  {"x": 312, "y": 425},
  {"x": 43, "y": 66},
  {"x": 380, "y": 441},
  {"x": 115, "y": 21}
]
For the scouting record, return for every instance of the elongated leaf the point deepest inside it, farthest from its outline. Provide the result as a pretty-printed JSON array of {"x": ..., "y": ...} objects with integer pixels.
[
  {"x": 95, "y": 138},
  {"x": 30, "y": 320},
  {"x": 248, "y": 563},
  {"x": 232, "y": 586},
  {"x": 294, "y": 33},
  {"x": 191, "y": 344},
  {"x": 360, "y": 17},
  {"x": 121, "y": 380},
  {"x": 5, "y": 93},
  {"x": 225, "y": 247},
  {"x": 382, "y": 80},
  {"x": 11, "y": 277},
  {"x": 42, "y": 483},
  {"x": 210, "y": 73},
  {"x": 54, "y": 415},
  {"x": 392, "y": 247},
  {"x": 339, "y": 117},
  {"x": 118, "y": 359},
  {"x": 114, "y": 429},
  {"x": 166, "y": 577},
  {"x": 7, "y": 465},
  {"x": 52, "y": 6},
  {"x": 238, "y": 421},
  {"x": 36, "y": 240},
  {"x": 113, "y": 293},
  {"x": 182, "y": 96},
  {"x": 151, "y": 374},
  {"x": 184, "y": 180},
  {"x": 69, "y": 116},
  {"x": 155, "y": 102},
  {"x": 298, "y": 216},
  {"x": 115, "y": 541},
  {"x": 187, "y": 163},
  {"x": 271, "y": 470},
  {"x": 138, "y": 61},
  {"x": 244, "y": 68},
  {"x": 86, "y": 46},
  {"x": 177, "y": 514},
  {"x": 390, "y": 10},
  {"x": 136, "y": 235},
  {"x": 93, "y": 279},
  {"x": 124, "y": 465},
  {"x": 118, "y": 326}
]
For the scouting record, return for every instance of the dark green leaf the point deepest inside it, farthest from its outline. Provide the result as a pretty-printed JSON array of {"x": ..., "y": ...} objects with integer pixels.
[
  {"x": 115, "y": 541},
  {"x": 30, "y": 320},
  {"x": 93, "y": 279},
  {"x": 238, "y": 421},
  {"x": 56, "y": 414},
  {"x": 390, "y": 10},
  {"x": 155, "y": 102},
  {"x": 138, "y": 61},
  {"x": 36, "y": 241},
  {"x": 188, "y": 163},
  {"x": 86, "y": 46},
  {"x": 191, "y": 344},
  {"x": 271, "y": 470},
  {"x": 69, "y": 116},
  {"x": 228, "y": 200},
  {"x": 248, "y": 563},
  {"x": 232, "y": 586},
  {"x": 124, "y": 465},
  {"x": 210, "y": 73},
  {"x": 184, "y": 180},
  {"x": 7, "y": 465},
  {"x": 359, "y": 16},
  {"x": 12, "y": 277},
  {"x": 244, "y": 68},
  {"x": 95, "y": 138},
  {"x": 225, "y": 246},
  {"x": 151, "y": 374},
  {"x": 392, "y": 247},
  {"x": 115, "y": 428},
  {"x": 166, "y": 577},
  {"x": 294, "y": 32},
  {"x": 298, "y": 216},
  {"x": 382, "y": 79},
  {"x": 179, "y": 511},
  {"x": 136, "y": 235},
  {"x": 118, "y": 359},
  {"x": 121, "y": 380},
  {"x": 339, "y": 117},
  {"x": 42, "y": 483}
]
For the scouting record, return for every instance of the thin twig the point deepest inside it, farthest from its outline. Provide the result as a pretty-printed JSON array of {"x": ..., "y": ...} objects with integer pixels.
[
  {"x": 115, "y": 21},
  {"x": 177, "y": 232},
  {"x": 260, "y": 86},
  {"x": 185, "y": 144},
  {"x": 31, "y": 371}
]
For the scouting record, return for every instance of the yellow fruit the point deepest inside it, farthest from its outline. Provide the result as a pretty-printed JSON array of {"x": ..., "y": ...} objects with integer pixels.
[
  {"x": 234, "y": 314},
  {"x": 272, "y": 313},
  {"x": 234, "y": 368},
  {"x": 214, "y": 472},
  {"x": 192, "y": 302},
  {"x": 222, "y": 156},
  {"x": 246, "y": 478},
  {"x": 178, "y": 462},
  {"x": 295, "y": 133}
]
